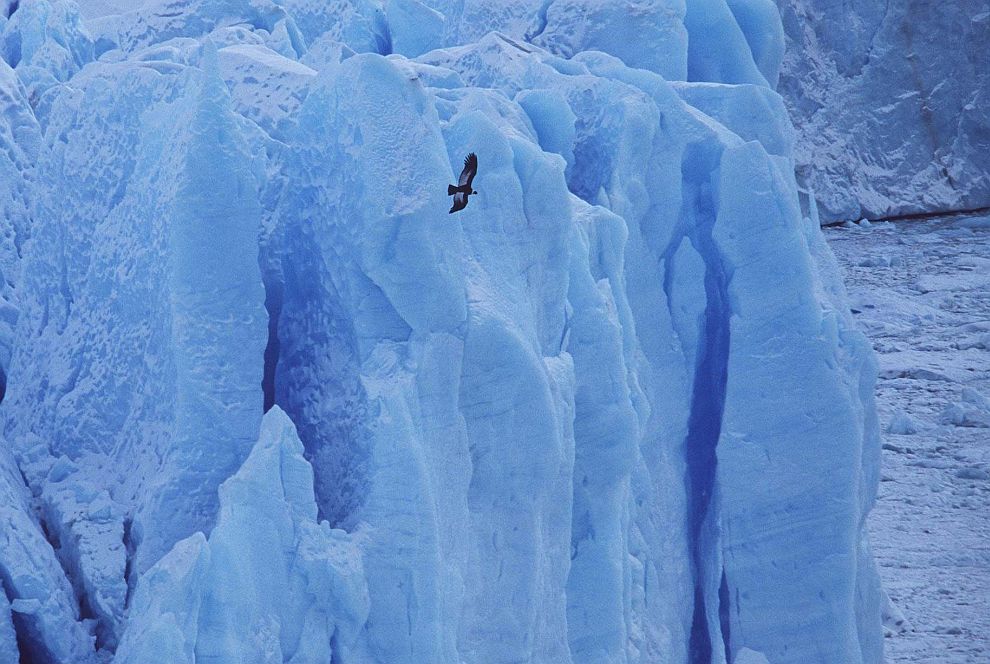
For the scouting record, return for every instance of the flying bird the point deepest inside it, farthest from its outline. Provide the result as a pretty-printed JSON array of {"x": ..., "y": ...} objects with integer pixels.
[{"x": 463, "y": 188}]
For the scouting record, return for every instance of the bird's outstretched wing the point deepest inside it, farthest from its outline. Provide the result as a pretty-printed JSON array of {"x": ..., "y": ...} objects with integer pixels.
[
  {"x": 460, "y": 202},
  {"x": 470, "y": 170}
]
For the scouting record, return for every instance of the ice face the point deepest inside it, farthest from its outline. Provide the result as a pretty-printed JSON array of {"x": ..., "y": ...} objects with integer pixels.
[
  {"x": 760, "y": 23},
  {"x": 269, "y": 579},
  {"x": 38, "y": 612},
  {"x": 758, "y": 434},
  {"x": 117, "y": 386},
  {"x": 718, "y": 50},
  {"x": 889, "y": 120},
  {"x": 552, "y": 427},
  {"x": 45, "y": 42},
  {"x": 20, "y": 140}
]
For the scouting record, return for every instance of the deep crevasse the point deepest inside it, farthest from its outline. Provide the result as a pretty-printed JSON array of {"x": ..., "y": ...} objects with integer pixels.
[{"x": 614, "y": 411}]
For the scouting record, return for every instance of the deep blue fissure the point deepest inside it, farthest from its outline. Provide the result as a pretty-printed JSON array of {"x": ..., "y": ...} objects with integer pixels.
[
  {"x": 723, "y": 610},
  {"x": 383, "y": 34},
  {"x": 130, "y": 546},
  {"x": 541, "y": 24},
  {"x": 707, "y": 401},
  {"x": 273, "y": 304}
]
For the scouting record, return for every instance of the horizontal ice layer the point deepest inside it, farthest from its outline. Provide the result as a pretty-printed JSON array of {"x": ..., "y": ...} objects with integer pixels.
[
  {"x": 746, "y": 39},
  {"x": 567, "y": 27},
  {"x": 157, "y": 21}
]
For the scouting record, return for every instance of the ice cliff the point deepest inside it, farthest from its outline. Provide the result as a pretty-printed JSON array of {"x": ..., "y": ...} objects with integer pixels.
[
  {"x": 890, "y": 103},
  {"x": 266, "y": 401}
]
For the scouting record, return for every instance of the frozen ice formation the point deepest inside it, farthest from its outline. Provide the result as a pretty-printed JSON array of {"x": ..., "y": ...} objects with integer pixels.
[
  {"x": 615, "y": 411},
  {"x": 19, "y": 141},
  {"x": 269, "y": 579},
  {"x": 890, "y": 104}
]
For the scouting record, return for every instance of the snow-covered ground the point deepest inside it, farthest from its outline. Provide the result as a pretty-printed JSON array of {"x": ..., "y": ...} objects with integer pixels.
[{"x": 921, "y": 291}]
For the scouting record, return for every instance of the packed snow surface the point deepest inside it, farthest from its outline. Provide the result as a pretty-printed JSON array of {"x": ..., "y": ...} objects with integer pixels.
[
  {"x": 921, "y": 291},
  {"x": 267, "y": 401}
]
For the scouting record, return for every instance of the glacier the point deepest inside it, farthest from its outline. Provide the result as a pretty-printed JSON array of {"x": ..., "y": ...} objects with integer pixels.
[
  {"x": 265, "y": 400},
  {"x": 889, "y": 121}
]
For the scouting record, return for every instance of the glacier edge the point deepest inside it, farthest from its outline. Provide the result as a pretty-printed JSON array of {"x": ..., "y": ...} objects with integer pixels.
[{"x": 550, "y": 428}]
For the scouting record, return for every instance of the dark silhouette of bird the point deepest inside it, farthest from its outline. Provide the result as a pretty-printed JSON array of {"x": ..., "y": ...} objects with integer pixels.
[{"x": 463, "y": 188}]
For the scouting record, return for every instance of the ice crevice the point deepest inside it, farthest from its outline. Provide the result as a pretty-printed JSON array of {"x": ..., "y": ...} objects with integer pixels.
[
  {"x": 541, "y": 21},
  {"x": 273, "y": 305},
  {"x": 707, "y": 405}
]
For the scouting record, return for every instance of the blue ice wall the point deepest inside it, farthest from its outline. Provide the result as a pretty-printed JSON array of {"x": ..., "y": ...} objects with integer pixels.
[{"x": 550, "y": 428}]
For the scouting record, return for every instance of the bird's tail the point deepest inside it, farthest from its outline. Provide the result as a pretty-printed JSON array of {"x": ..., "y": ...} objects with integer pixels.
[{"x": 451, "y": 190}]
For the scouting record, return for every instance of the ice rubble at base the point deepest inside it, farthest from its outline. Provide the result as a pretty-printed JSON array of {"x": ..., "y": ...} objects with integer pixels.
[{"x": 529, "y": 428}]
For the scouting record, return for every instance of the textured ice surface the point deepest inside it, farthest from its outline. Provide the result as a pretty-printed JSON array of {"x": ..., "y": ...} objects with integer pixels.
[
  {"x": 139, "y": 318},
  {"x": 38, "y": 610},
  {"x": 269, "y": 579},
  {"x": 20, "y": 141},
  {"x": 890, "y": 102},
  {"x": 717, "y": 47},
  {"x": 45, "y": 41},
  {"x": 612, "y": 412}
]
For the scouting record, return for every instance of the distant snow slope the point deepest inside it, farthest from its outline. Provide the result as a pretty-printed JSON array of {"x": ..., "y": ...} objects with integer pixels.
[
  {"x": 921, "y": 291},
  {"x": 890, "y": 101},
  {"x": 616, "y": 411}
]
